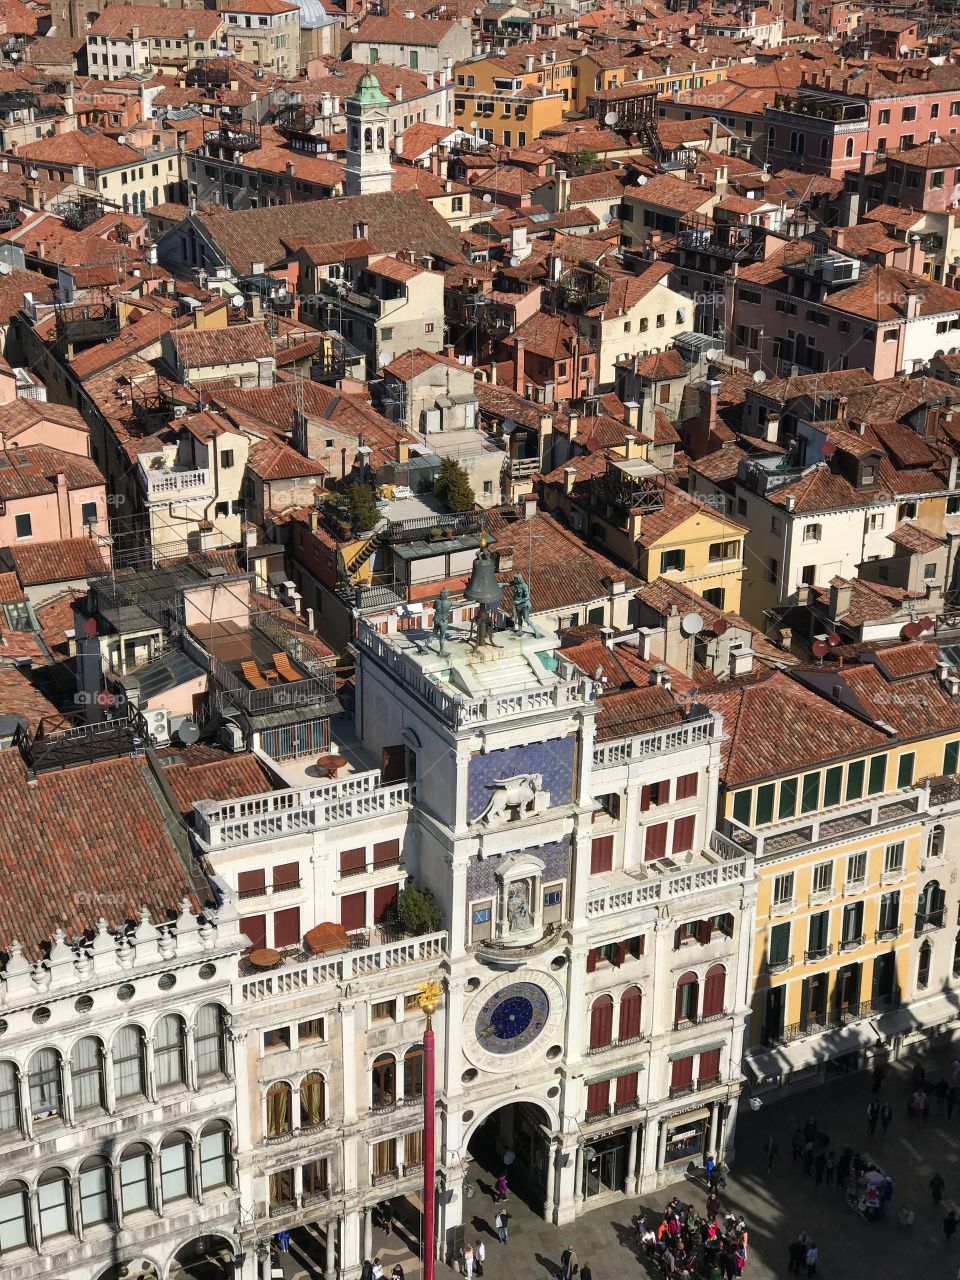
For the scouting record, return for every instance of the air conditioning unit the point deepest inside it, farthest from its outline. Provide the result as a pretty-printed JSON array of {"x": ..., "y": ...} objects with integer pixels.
[
  {"x": 231, "y": 735},
  {"x": 158, "y": 724}
]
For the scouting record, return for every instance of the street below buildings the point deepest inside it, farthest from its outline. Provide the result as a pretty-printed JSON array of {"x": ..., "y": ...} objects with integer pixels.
[{"x": 776, "y": 1205}]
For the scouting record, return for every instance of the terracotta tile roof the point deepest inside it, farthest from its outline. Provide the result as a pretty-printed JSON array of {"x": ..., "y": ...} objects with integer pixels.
[
  {"x": 23, "y": 415},
  {"x": 909, "y": 699},
  {"x": 273, "y": 460},
  {"x": 678, "y": 507},
  {"x": 661, "y": 365},
  {"x": 627, "y": 290},
  {"x": 15, "y": 285},
  {"x": 79, "y": 147},
  {"x": 94, "y": 840},
  {"x": 629, "y": 711},
  {"x": 666, "y": 192},
  {"x": 37, "y": 563},
  {"x": 913, "y": 538},
  {"x": 28, "y": 471},
  {"x": 10, "y": 588},
  {"x": 395, "y": 269},
  {"x": 20, "y": 697},
  {"x": 131, "y": 339},
  {"x": 869, "y": 601},
  {"x": 898, "y": 216},
  {"x": 821, "y": 489},
  {"x": 550, "y": 336},
  {"x": 220, "y": 778},
  {"x": 774, "y": 725},
  {"x": 561, "y": 570},
  {"x": 396, "y": 220},
  {"x": 237, "y": 344},
  {"x": 420, "y": 138},
  {"x": 426, "y": 32},
  {"x": 881, "y": 294},
  {"x": 117, "y": 20},
  {"x": 412, "y": 363},
  {"x": 56, "y": 618}
]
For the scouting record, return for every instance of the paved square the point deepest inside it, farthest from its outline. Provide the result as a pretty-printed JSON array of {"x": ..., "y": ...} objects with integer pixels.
[{"x": 775, "y": 1206}]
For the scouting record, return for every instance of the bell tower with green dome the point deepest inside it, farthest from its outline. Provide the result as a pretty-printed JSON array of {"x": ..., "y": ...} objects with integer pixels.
[{"x": 368, "y": 169}]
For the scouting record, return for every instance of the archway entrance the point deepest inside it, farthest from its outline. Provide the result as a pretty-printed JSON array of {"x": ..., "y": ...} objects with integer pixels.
[
  {"x": 514, "y": 1140},
  {"x": 204, "y": 1258}
]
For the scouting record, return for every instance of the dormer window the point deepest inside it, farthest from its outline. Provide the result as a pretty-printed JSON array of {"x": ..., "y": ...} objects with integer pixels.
[{"x": 868, "y": 473}]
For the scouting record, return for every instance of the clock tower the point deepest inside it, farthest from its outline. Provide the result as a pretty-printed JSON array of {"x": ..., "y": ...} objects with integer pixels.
[{"x": 368, "y": 169}]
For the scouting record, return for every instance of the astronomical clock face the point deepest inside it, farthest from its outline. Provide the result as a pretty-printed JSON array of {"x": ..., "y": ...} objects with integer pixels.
[
  {"x": 512, "y": 1018},
  {"x": 514, "y": 1024}
]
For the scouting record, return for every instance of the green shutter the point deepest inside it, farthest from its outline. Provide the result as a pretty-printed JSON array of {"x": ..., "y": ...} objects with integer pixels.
[
  {"x": 764, "y": 804},
  {"x": 905, "y": 769},
  {"x": 788, "y": 798},
  {"x": 877, "y": 779},
  {"x": 832, "y": 784},
  {"x": 741, "y": 807},
  {"x": 819, "y": 930},
  {"x": 810, "y": 796},
  {"x": 779, "y": 944},
  {"x": 855, "y": 772},
  {"x": 951, "y": 757}
]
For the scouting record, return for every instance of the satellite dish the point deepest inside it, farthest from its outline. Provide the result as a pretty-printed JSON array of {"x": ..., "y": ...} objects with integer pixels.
[
  {"x": 691, "y": 625},
  {"x": 187, "y": 731},
  {"x": 514, "y": 261},
  {"x": 820, "y": 649},
  {"x": 759, "y": 377},
  {"x": 833, "y": 639},
  {"x": 720, "y": 627},
  {"x": 384, "y": 358},
  {"x": 912, "y": 630},
  {"x": 610, "y": 118},
  {"x": 237, "y": 301},
  {"x": 487, "y": 197},
  {"x": 712, "y": 354},
  {"x": 642, "y": 180},
  {"x": 904, "y": 51},
  {"x": 926, "y": 623}
]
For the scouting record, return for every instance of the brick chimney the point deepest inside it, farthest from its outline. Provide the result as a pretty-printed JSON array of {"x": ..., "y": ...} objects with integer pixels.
[
  {"x": 700, "y": 430},
  {"x": 63, "y": 506},
  {"x": 518, "y": 377}
]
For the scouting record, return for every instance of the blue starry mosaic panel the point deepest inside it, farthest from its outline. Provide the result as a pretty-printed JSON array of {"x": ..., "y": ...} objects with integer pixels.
[
  {"x": 482, "y": 876},
  {"x": 555, "y": 760}
]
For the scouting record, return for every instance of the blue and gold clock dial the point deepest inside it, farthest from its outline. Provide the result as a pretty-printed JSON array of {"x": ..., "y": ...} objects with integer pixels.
[{"x": 512, "y": 1018}]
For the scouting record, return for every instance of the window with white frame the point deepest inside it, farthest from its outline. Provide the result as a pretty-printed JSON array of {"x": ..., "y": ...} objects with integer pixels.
[
  {"x": 823, "y": 877},
  {"x": 783, "y": 889},
  {"x": 856, "y": 868},
  {"x": 893, "y": 858},
  {"x": 812, "y": 532}
]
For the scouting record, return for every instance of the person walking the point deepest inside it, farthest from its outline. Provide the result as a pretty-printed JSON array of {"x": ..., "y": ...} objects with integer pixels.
[
  {"x": 501, "y": 1188},
  {"x": 569, "y": 1266},
  {"x": 813, "y": 1254},
  {"x": 468, "y": 1261},
  {"x": 843, "y": 1168},
  {"x": 585, "y": 1272},
  {"x": 366, "y": 1270},
  {"x": 873, "y": 1115},
  {"x": 502, "y": 1224},
  {"x": 950, "y": 1223},
  {"x": 770, "y": 1150},
  {"x": 818, "y": 1167},
  {"x": 886, "y": 1117},
  {"x": 831, "y": 1167},
  {"x": 479, "y": 1254},
  {"x": 940, "y": 1090},
  {"x": 797, "y": 1145},
  {"x": 808, "y": 1157},
  {"x": 797, "y": 1255},
  {"x": 879, "y": 1071},
  {"x": 936, "y": 1188},
  {"x": 377, "y": 1270}
]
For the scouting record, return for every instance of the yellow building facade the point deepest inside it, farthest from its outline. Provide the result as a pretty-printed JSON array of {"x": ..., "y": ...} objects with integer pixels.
[{"x": 849, "y": 856}]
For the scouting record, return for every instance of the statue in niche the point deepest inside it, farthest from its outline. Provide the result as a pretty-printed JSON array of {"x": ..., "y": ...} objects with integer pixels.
[{"x": 518, "y": 907}]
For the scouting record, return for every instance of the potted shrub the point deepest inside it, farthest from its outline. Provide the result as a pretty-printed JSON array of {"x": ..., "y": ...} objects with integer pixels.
[{"x": 419, "y": 911}]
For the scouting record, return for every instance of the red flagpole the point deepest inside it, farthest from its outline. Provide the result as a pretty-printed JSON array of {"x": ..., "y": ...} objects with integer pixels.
[{"x": 429, "y": 1152}]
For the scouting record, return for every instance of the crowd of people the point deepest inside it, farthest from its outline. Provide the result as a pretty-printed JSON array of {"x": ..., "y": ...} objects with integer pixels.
[{"x": 685, "y": 1245}]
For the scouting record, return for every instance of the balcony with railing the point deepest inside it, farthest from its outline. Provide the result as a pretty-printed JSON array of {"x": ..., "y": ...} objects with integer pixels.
[
  {"x": 928, "y": 921},
  {"x": 272, "y": 815},
  {"x": 665, "y": 881},
  {"x": 162, "y": 481},
  {"x": 699, "y": 727},
  {"x": 819, "y": 1021},
  {"x": 298, "y": 973},
  {"x": 848, "y": 821}
]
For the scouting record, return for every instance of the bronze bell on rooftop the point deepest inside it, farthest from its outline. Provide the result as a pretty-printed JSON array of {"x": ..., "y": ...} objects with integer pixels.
[{"x": 483, "y": 588}]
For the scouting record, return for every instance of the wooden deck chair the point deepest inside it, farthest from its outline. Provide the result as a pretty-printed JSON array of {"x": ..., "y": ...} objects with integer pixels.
[{"x": 252, "y": 675}]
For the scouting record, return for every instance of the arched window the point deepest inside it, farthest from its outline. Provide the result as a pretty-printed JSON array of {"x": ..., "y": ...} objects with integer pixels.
[
  {"x": 208, "y": 1040},
  {"x": 53, "y": 1197},
  {"x": 14, "y": 1230},
  {"x": 381, "y": 143},
  {"x": 45, "y": 1095},
  {"x": 156, "y": 196},
  {"x": 368, "y": 139},
  {"x": 214, "y": 1155},
  {"x": 86, "y": 1073},
  {"x": 629, "y": 1025},
  {"x": 794, "y": 141},
  {"x": 930, "y": 905},
  {"x": 384, "y": 1080},
  {"x": 95, "y": 1185},
  {"x": 313, "y": 1104},
  {"x": 135, "y": 1167},
  {"x": 168, "y": 1051},
  {"x": 935, "y": 842},
  {"x": 601, "y": 1022},
  {"x": 714, "y": 990},
  {"x": 848, "y": 150},
  {"x": 923, "y": 965},
  {"x": 9, "y": 1098},
  {"x": 771, "y": 138},
  {"x": 175, "y": 1167},
  {"x": 413, "y": 1072},
  {"x": 128, "y": 1072},
  {"x": 279, "y": 1110},
  {"x": 824, "y": 148},
  {"x": 688, "y": 998}
]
